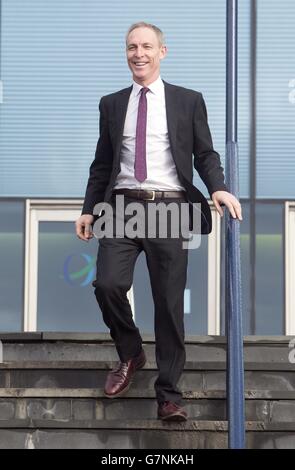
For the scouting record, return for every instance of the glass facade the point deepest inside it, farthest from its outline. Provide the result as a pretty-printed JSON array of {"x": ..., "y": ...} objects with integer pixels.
[
  {"x": 262, "y": 269},
  {"x": 269, "y": 270},
  {"x": 57, "y": 60},
  {"x": 11, "y": 265},
  {"x": 66, "y": 269},
  {"x": 275, "y": 99}
]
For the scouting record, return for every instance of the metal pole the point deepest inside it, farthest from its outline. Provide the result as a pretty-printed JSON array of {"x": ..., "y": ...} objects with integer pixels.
[{"x": 233, "y": 311}]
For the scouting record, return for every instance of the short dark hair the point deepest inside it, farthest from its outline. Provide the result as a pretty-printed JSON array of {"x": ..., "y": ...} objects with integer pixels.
[{"x": 143, "y": 24}]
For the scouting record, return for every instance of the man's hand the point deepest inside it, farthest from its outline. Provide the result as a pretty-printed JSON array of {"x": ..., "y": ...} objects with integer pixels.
[
  {"x": 231, "y": 202},
  {"x": 83, "y": 227}
]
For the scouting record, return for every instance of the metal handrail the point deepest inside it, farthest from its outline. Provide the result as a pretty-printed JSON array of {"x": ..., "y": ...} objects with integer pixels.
[{"x": 233, "y": 310}]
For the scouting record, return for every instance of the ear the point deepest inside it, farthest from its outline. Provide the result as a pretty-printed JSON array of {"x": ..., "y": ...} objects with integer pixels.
[{"x": 163, "y": 52}]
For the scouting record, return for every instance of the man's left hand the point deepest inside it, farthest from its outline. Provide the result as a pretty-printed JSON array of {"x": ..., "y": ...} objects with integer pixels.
[{"x": 230, "y": 201}]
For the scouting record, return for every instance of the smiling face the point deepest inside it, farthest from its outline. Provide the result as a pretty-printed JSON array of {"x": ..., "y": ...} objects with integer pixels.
[{"x": 144, "y": 54}]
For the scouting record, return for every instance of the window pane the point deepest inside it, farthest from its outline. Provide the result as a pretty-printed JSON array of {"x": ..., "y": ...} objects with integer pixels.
[
  {"x": 268, "y": 266},
  {"x": 59, "y": 58},
  {"x": 196, "y": 301},
  {"x": 11, "y": 265},
  {"x": 268, "y": 298},
  {"x": 269, "y": 272},
  {"x": 66, "y": 269},
  {"x": 275, "y": 96}
]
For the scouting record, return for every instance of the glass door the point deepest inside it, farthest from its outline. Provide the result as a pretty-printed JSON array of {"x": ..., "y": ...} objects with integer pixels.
[{"x": 60, "y": 269}]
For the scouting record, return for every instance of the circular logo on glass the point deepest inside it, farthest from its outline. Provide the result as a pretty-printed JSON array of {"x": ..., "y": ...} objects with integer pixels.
[{"x": 79, "y": 269}]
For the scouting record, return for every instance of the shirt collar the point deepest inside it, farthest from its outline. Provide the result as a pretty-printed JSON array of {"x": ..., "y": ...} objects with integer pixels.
[{"x": 156, "y": 87}]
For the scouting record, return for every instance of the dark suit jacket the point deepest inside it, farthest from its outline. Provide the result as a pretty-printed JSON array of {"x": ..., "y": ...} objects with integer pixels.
[{"x": 189, "y": 135}]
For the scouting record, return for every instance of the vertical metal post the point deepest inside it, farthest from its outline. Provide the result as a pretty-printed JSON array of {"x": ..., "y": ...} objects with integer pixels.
[{"x": 233, "y": 310}]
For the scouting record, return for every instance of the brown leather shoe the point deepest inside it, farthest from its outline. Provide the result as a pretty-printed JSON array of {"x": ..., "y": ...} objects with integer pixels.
[
  {"x": 169, "y": 411},
  {"x": 119, "y": 379}
]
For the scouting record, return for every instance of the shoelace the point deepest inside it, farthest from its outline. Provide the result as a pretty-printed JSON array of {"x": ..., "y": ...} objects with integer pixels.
[
  {"x": 175, "y": 406},
  {"x": 121, "y": 369}
]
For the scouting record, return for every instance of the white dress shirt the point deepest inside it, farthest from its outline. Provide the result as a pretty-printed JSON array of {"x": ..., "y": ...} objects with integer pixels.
[{"x": 161, "y": 170}]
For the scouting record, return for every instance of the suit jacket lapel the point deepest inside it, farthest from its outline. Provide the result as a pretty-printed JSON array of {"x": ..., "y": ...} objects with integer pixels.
[
  {"x": 172, "y": 110},
  {"x": 121, "y": 106}
]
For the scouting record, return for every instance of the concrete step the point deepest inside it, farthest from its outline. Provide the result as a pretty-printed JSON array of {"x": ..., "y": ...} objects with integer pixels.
[
  {"x": 93, "y": 375},
  {"x": 82, "y": 404},
  {"x": 51, "y": 394},
  {"x": 213, "y": 351},
  {"x": 102, "y": 337},
  {"x": 142, "y": 393},
  {"x": 197, "y": 365},
  {"x": 138, "y": 434}
]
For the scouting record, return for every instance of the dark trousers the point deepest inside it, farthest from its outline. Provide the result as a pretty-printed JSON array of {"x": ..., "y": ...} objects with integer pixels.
[{"x": 167, "y": 265}]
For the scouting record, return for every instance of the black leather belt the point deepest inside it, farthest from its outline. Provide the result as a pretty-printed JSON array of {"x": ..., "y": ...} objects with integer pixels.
[{"x": 149, "y": 195}]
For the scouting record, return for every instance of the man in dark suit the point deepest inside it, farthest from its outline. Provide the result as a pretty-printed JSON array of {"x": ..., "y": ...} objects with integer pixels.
[{"x": 148, "y": 134}]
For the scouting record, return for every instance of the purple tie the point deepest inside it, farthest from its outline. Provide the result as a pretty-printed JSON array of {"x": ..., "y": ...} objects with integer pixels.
[{"x": 140, "y": 172}]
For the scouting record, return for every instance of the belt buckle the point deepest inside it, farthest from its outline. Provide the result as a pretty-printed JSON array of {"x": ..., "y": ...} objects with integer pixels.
[{"x": 153, "y": 196}]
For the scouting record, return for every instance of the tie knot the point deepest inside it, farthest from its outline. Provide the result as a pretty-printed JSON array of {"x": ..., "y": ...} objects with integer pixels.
[{"x": 144, "y": 90}]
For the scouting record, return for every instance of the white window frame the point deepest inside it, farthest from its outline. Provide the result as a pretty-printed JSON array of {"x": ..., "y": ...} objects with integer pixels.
[
  {"x": 68, "y": 210},
  {"x": 39, "y": 211},
  {"x": 289, "y": 267},
  {"x": 213, "y": 291},
  {"x": 44, "y": 210}
]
